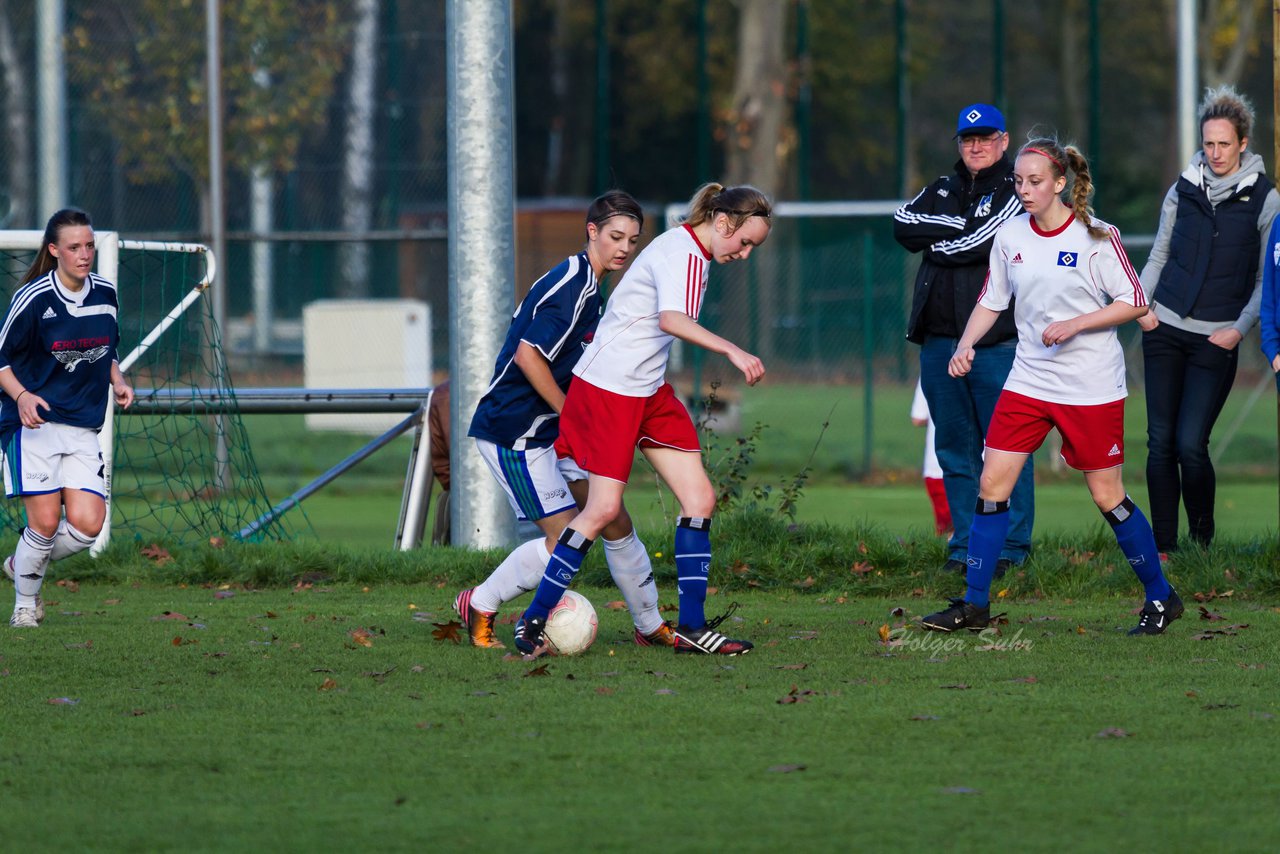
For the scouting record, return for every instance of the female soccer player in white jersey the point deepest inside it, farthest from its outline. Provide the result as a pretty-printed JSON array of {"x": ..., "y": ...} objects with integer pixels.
[
  {"x": 516, "y": 424},
  {"x": 619, "y": 400},
  {"x": 1074, "y": 285},
  {"x": 57, "y": 365}
]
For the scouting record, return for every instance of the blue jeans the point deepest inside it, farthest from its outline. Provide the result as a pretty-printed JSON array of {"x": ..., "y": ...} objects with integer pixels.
[
  {"x": 1188, "y": 380},
  {"x": 961, "y": 411}
]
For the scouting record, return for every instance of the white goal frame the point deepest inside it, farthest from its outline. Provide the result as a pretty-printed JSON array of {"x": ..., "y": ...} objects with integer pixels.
[{"x": 109, "y": 244}]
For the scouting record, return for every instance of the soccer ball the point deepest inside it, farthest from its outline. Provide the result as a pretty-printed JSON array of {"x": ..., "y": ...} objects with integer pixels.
[{"x": 571, "y": 625}]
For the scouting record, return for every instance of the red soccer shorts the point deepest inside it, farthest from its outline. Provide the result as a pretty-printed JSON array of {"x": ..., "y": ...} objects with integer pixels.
[
  {"x": 601, "y": 429},
  {"x": 1092, "y": 436}
]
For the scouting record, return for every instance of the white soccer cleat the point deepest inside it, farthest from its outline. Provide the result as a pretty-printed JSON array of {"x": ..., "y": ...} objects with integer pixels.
[
  {"x": 24, "y": 618},
  {"x": 11, "y": 573}
]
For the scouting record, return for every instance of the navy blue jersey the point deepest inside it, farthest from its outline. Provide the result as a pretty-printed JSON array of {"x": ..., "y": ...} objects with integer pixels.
[
  {"x": 60, "y": 345},
  {"x": 557, "y": 317}
]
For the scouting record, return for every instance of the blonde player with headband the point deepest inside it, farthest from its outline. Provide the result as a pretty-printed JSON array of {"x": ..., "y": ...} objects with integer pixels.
[{"x": 1074, "y": 285}]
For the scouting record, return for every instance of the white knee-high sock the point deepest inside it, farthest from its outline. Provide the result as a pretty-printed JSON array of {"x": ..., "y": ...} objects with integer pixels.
[
  {"x": 68, "y": 541},
  {"x": 30, "y": 559},
  {"x": 633, "y": 573},
  {"x": 518, "y": 574}
]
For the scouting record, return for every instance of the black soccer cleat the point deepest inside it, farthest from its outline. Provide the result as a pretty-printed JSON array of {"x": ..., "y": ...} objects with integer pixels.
[
  {"x": 529, "y": 638},
  {"x": 705, "y": 640},
  {"x": 1156, "y": 616},
  {"x": 960, "y": 615}
]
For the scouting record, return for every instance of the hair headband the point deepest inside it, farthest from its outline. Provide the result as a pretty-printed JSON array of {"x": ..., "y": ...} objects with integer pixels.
[{"x": 1044, "y": 153}]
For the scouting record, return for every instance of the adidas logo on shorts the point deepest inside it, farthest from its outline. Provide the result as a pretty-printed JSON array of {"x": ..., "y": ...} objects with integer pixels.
[{"x": 1114, "y": 452}]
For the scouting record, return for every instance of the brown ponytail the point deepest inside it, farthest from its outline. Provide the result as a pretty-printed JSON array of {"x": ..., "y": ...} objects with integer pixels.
[
  {"x": 739, "y": 204},
  {"x": 1061, "y": 159},
  {"x": 44, "y": 258}
]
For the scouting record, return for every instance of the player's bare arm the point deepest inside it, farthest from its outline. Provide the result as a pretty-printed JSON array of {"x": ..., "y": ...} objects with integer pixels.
[
  {"x": 980, "y": 323},
  {"x": 685, "y": 328},
  {"x": 1116, "y": 314},
  {"x": 537, "y": 370}
]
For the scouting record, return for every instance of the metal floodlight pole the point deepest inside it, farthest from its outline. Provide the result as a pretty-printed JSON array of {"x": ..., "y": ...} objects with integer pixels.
[
  {"x": 481, "y": 152},
  {"x": 51, "y": 108},
  {"x": 217, "y": 209},
  {"x": 1187, "y": 76}
]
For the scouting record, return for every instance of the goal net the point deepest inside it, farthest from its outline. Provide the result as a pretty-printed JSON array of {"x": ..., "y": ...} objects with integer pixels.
[{"x": 175, "y": 476}]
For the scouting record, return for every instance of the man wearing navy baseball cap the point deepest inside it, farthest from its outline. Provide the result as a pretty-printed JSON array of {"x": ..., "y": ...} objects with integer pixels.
[{"x": 952, "y": 223}]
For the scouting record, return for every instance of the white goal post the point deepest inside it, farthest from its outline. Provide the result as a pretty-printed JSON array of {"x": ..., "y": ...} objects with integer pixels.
[{"x": 109, "y": 244}]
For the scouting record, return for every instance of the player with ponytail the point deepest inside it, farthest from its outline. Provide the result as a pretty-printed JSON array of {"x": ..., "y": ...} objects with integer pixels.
[
  {"x": 620, "y": 400},
  {"x": 1073, "y": 286},
  {"x": 57, "y": 365}
]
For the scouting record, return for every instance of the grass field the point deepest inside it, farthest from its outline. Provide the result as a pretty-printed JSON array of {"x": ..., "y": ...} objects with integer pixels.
[
  {"x": 164, "y": 718},
  {"x": 295, "y": 697}
]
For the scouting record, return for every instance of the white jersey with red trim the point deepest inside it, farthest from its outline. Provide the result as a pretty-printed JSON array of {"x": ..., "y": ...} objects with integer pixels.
[
  {"x": 1056, "y": 276},
  {"x": 628, "y": 354}
]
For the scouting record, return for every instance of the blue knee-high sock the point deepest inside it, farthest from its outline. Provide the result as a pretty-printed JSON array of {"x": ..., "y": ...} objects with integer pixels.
[
  {"x": 693, "y": 565},
  {"x": 566, "y": 560},
  {"x": 1133, "y": 533},
  {"x": 986, "y": 539}
]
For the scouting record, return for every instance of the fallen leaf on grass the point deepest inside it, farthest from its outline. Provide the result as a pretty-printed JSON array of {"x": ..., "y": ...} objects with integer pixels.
[
  {"x": 959, "y": 686},
  {"x": 616, "y": 605},
  {"x": 69, "y": 585},
  {"x": 223, "y": 594},
  {"x": 1081, "y": 630},
  {"x": 380, "y": 676},
  {"x": 795, "y": 695},
  {"x": 862, "y": 567},
  {"x": 156, "y": 553},
  {"x": 658, "y": 674},
  {"x": 1210, "y": 634},
  {"x": 790, "y": 666},
  {"x": 449, "y": 630},
  {"x": 136, "y": 713},
  {"x": 181, "y": 641},
  {"x": 1244, "y": 666},
  {"x": 1206, "y": 614},
  {"x": 361, "y": 635},
  {"x": 169, "y": 615},
  {"x": 86, "y": 645},
  {"x": 1111, "y": 732},
  {"x": 327, "y": 685},
  {"x": 1027, "y": 679},
  {"x": 923, "y": 718},
  {"x": 808, "y": 634},
  {"x": 110, "y": 601},
  {"x": 540, "y": 670},
  {"x": 786, "y": 769},
  {"x": 1214, "y": 706},
  {"x": 665, "y": 691},
  {"x": 808, "y": 582},
  {"x": 62, "y": 701},
  {"x": 602, "y": 690}
]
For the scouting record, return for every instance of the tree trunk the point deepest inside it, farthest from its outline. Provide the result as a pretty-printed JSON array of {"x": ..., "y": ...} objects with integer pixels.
[
  {"x": 16, "y": 124},
  {"x": 757, "y": 122},
  {"x": 357, "y": 171}
]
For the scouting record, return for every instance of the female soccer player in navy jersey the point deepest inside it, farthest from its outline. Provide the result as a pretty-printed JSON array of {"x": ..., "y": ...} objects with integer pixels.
[
  {"x": 1074, "y": 285},
  {"x": 57, "y": 365},
  {"x": 516, "y": 424},
  {"x": 619, "y": 400}
]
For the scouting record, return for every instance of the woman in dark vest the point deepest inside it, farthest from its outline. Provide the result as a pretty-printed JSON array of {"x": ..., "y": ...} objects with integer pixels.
[{"x": 1204, "y": 280}]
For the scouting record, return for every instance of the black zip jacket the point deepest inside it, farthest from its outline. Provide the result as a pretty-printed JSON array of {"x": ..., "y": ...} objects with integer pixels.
[{"x": 953, "y": 221}]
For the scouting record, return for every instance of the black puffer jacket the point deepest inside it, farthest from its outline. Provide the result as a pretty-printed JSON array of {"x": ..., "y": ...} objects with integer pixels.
[{"x": 953, "y": 222}]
